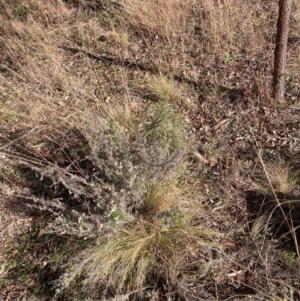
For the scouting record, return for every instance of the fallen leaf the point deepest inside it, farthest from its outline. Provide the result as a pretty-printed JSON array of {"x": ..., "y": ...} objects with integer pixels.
[
  {"x": 212, "y": 163},
  {"x": 200, "y": 157},
  {"x": 234, "y": 274},
  {"x": 228, "y": 243},
  {"x": 219, "y": 124},
  {"x": 2, "y": 293}
]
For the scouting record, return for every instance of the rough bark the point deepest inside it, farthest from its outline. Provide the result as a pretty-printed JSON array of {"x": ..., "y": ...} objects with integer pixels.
[{"x": 281, "y": 49}]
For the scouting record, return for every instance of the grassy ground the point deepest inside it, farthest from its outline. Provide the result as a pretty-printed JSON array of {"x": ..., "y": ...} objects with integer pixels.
[{"x": 142, "y": 156}]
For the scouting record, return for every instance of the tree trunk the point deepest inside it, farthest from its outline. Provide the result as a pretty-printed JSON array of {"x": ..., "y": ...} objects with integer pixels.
[{"x": 281, "y": 48}]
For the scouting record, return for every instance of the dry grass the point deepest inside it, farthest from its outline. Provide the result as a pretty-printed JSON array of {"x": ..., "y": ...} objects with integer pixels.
[
  {"x": 161, "y": 197},
  {"x": 282, "y": 178},
  {"x": 141, "y": 253},
  {"x": 83, "y": 146},
  {"x": 231, "y": 23},
  {"x": 163, "y": 18},
  {"x": 163, "y": 88},
  {"x": 32, "y": 67},
  {"x": 122, "y": 116}
]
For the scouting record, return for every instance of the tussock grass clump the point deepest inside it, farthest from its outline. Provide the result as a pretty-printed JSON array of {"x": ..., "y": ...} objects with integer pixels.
[
  {"x": 142, "y": 253},
  {"x": 163, "y": 87},
  {"x": 277, "y": 199},
  {"x": 161, "y": 197},
  {"x": 119, "y": 38},
  {"x": 122, "y": 119},
  {"x": 281, "y": 178}
]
